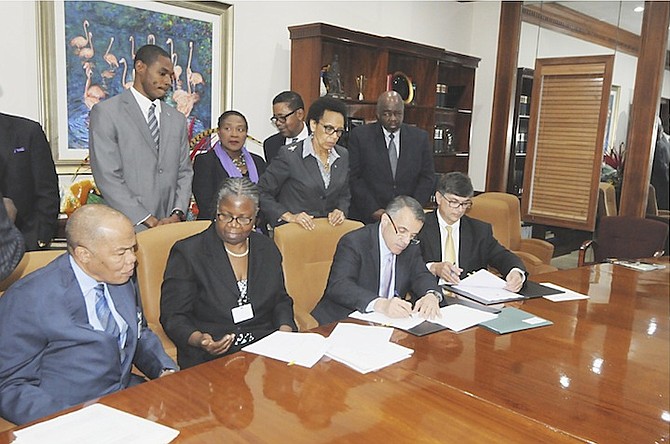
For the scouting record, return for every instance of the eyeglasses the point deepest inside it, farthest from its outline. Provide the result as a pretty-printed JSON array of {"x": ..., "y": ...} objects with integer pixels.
[
  {"x": 330, "y": 130},
  {"x": 227, "y": 218},
  {"x": 456, "y": 204},
  {"x": 403, "y": 232},
  {"x": 282, "y": 119}
]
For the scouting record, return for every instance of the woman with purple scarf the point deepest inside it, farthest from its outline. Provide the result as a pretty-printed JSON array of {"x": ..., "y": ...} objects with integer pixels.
[{"x": 228, "y": 158}]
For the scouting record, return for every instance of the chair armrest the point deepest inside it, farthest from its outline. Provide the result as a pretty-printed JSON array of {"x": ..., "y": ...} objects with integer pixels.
[
  {"x": 539, "y": 248},
  {"x": 581, "y": 260},
  {"x": 533, "y": 264},
  {"x": 304, "y": 320}
]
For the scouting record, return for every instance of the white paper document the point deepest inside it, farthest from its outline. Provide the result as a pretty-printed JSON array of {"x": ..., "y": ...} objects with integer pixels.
[
  {"x": 379, "y": 318},
  {"x": 486, "y": 286},
  {"x": 459, "y": 317},
  {"x": 367, "y": 358},
  {"x": 97, "y": 424},
  {"x": 567, "y": 295},
  {"x": 303, "y": 349},
  {"x": 345, "y": 333}
]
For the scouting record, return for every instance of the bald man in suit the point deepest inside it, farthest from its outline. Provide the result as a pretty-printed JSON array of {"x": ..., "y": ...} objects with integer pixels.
[{"x": 144, "y": 174}]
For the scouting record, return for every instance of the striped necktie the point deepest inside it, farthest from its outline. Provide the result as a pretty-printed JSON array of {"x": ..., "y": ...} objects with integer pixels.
[
  {"x": 153, "y": 124},
  {"x": 107, "y": 320}
]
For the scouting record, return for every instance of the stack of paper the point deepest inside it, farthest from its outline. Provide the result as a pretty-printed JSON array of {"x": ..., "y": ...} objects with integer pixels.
[
  {"x": 454, "y": 317},
  {"x": 566, "y": 295},
  {"x": 303, "y": 349},
  {"x": 485, "y": 287},
  {"x": 96, "y": 423},
  {"x": 365, "y": 348}
]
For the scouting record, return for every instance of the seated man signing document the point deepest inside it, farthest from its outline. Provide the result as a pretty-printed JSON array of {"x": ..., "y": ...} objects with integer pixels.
[
  {"x": 454, "y": 244},
  {"x": 377, "y": 265},
  {"x": 71, "y": 331}
]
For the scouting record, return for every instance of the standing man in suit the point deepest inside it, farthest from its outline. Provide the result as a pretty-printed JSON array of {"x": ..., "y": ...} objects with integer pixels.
[
  {"x": 454, "y": 244},
  {"x": 288, "y": 115},
  {"x": 376, "y": 266},
  {"x": 28, "y": 179},
  {"x": 71, "y": 331},
  {"x": 139, "y": 147},
  {"x": 388, "y": 159}
]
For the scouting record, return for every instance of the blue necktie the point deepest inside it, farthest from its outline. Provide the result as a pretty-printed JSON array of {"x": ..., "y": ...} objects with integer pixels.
[{"x": 104, "y": 314}]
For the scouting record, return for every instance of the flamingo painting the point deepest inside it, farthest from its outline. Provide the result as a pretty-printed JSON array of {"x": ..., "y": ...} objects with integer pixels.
[
  {"x": 109, "y": 57},
  {"x": 87, "y": 52},
  {"x": 80, "y": 41}
]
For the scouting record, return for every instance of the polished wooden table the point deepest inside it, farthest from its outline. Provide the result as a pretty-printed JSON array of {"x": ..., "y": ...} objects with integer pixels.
[{"x": 600, "y": 373}]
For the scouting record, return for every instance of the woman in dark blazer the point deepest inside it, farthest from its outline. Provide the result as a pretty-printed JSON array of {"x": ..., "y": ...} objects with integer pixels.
[
  {"x": 228, "y": 158},
  {"x": 310, "y": 178},
  {"x": 224, "y": 288}
]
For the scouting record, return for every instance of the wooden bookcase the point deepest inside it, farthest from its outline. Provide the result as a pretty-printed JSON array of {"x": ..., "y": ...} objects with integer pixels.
[
  {"x": 445, "y": 114},
  {"x": 519, "y": 142}
]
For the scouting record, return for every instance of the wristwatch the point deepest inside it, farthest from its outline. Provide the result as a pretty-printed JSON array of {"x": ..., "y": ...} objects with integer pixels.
[
  {"x": 436, "y": 294},
  {"x": 180, "y": 214}
]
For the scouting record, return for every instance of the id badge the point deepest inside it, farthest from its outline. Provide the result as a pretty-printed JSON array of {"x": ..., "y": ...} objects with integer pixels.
[{"x": 242, "y": 313}]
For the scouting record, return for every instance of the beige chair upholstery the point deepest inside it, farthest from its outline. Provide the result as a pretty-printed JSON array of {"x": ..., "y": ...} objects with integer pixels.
[
  {"x": 153, "y": 248},
  {"x": 606, "y": 200},
  {"x": 307, "y": 256},
  {"x": 502, "y": 211},
  {"x": 6, "y": 425},
  {"x": 30, "y": 262}
]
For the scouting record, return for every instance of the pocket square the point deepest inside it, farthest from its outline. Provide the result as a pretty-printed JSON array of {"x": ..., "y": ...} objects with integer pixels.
[{"x": 19, "y": 149}]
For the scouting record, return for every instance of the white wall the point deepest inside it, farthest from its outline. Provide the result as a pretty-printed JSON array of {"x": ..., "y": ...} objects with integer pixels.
[{"x": 261, "y": 51}]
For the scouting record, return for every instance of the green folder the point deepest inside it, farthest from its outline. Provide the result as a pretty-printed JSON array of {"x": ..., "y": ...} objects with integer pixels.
[{"x": 512, "y": 319}]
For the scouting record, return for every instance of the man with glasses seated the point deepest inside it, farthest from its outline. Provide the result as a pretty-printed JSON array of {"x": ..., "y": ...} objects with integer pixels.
[
  {"x": 310, "y": 178},
  {"x": 388, "y": 159},
  {"x": 454, "y": 244},
  {"x": 288, "y": 115},
  {"x": 376, "y": 266}
]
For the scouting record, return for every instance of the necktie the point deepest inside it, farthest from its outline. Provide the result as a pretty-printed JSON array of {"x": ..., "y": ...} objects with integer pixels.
[
  {"x": 387, "y": 275},
  {"x": 104, "y": 314},
  {"x": 449, "y": 249},
  {"x": 393, "y": 154},
  {"x": 153, "y": 124}
]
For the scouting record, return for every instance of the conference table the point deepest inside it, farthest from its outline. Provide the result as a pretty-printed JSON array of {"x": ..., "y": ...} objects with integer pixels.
[{"x": 600, "y": 373}]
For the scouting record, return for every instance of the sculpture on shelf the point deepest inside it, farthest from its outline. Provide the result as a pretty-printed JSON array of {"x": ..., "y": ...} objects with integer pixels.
[
  {"x": 335, "y": 79},
  {"x": 360, "y": 83}
]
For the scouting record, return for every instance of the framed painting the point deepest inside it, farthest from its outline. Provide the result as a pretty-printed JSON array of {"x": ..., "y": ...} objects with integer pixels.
[
  {"x": 86, "y": 56},
  {"x": 612, "y": 117}
]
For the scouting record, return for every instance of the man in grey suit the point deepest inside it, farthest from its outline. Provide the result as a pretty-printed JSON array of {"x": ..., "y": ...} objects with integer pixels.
[{"x": 139, "y": 147}]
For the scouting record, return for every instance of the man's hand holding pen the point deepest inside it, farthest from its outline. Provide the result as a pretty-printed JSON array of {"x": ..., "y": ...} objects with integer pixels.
[{"x": 447, "y": 271}]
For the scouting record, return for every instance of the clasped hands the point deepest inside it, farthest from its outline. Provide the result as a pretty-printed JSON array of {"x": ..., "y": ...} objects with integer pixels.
[
  {"x": 428, "y": 307},
  {"x": 451, "y": 274},
  {"x": 335, "y": 217}
]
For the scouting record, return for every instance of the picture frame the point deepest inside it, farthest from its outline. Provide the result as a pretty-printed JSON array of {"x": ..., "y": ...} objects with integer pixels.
[
  {"x": 86, "y": 53},
  {"x": 612, "y": 117}
]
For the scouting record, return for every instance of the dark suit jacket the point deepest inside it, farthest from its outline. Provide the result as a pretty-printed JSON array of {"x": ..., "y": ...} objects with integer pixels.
[
  {"x": 294, "y": 184},
  {"x": 28, "y": 177},
  {"x": 50, "y": 356},
  {"x": 207, "y": 177},
  {"x": 372, "y": 183},
  {"x": 271, "y": 146},
  {"x": 354, "y": 276},
  {"x": 11, "y": 244},
  {"x": 477, "y": 249},
  {"x": 200, "y": 290}
]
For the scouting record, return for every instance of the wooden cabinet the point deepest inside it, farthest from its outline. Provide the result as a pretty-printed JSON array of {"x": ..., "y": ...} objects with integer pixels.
[
  {"x": 519, "y": 143},
  {"x": 442, "y": 82}
]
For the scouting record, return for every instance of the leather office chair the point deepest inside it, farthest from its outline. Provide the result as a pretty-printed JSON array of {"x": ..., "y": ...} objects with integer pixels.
[
  {"x": 30, "y": 262},
  {"x": 503, "y": 212},
  {"x": 307, "y": 256},
  {"x": 153, "y": 249},
  {"x": 625, "y": 237}
]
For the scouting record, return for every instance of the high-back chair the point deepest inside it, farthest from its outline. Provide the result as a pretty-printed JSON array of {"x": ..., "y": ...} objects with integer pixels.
[
  {"x": 307, "y": 256},
  {"x": 503, "y": 212},
  {"x": 30, "y": 262},
  {"x": 625, "y": 237},
  {"x": 153, "y": 249}
]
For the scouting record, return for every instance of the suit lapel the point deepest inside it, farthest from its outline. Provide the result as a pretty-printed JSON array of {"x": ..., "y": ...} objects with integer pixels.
[
  {"x": 382, "y": 152},
  {"x": 433, "y": 232},
  {"x": 74, "y": 299},
  {"x": 135, "y": 114},
  {"x": 374, "y": 253},
  {"x": 218, "y": 261},
  {"x": 338, "y": 174},
  {"x": 466, "y": 244}
]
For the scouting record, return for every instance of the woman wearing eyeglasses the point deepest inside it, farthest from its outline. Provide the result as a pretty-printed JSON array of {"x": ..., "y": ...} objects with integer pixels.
[
  {"x": 224, "y": 287},
  {"x": 228, "y": 158},
  {"x": 310, "y": 178}
]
